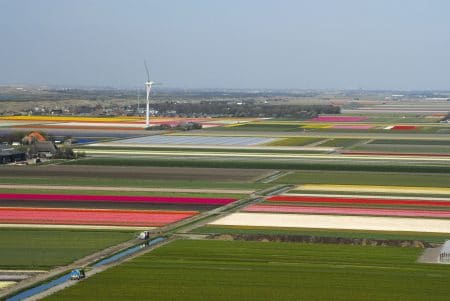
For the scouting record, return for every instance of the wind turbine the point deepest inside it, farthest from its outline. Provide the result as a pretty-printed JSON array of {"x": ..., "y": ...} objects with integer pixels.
[{"x": 148, "y": 85}]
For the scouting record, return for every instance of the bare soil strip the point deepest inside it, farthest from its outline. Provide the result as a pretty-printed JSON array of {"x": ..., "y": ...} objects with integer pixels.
[{"x": 124, "y": 172}]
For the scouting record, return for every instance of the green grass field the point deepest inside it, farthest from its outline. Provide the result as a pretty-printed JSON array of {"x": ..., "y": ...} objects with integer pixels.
[
  {"x": 126, "y": 182},
  {"x": 230, "y": 270},
  {"x": 366, "y": 178},
  {"x": 46, "y": 248},
  {"x": 411, "y": 142},
  {"x": 341, "y": 142},
  {"x": 402, "y": 148},
  {"x": 261, "y": 164},
  {"x": 294, "y": 141}
]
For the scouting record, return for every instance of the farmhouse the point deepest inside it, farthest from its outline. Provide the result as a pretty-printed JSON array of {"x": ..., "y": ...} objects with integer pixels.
[{"x": 43, "y": 149}]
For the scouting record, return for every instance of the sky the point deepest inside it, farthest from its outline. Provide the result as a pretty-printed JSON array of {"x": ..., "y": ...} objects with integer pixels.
[{"x": 232, "y": 44}]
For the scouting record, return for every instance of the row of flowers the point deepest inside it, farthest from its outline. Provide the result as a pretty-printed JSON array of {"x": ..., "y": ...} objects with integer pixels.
[
  {"x": 356, "y": 200},
  {"x": 349, "y": 211},
  {"x": 104, "y": 217}
]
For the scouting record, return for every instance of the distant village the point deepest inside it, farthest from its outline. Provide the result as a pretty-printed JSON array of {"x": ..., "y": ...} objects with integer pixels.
[{"x": 32, "y": 148}]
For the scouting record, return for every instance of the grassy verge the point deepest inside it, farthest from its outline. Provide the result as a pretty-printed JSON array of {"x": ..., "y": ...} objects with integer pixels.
[
  {"x": 384, "y": 235},
  {"x": 234, "y": 270},
  {"x": 46, "y": 248}
]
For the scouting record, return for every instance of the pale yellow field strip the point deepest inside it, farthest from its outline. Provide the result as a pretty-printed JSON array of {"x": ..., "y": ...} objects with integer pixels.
[
  {"x": 335, "y": 222},
  {"x": 5, "y": 284},
  {"x": 368, "y": 188},
  {"x": 369, "y": 196},
  {"x": 81, "y": 227},
  {"x": 267, "y": 155},
  {"x": 102, "y": 124},
  {"x": 138, "y": 189}
]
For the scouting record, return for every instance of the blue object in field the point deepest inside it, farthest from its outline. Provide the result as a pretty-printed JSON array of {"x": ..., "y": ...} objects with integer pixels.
[
  {"x": 77, "y": 274},
  {"x": 83, "y": 141},
  {"x": 43, "y": 287}
]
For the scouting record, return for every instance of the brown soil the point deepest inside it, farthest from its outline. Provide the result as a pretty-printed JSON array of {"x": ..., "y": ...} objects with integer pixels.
[{"x": 119, "y": 172}]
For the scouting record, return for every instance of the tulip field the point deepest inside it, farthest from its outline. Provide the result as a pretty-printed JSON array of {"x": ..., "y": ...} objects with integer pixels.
[
  {"x": 44, "y": 214},
  {"x": 104, "y": 217}
]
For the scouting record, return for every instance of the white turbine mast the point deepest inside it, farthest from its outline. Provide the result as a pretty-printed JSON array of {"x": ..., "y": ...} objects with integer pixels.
[{"x": 148, "y": 85}]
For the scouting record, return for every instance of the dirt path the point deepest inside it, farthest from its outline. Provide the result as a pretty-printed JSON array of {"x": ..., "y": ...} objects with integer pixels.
[{"x": 109, "y": 188}]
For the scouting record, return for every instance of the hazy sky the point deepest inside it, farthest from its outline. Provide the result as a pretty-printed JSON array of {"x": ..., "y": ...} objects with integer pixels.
[{"x": 344, "y": 44}]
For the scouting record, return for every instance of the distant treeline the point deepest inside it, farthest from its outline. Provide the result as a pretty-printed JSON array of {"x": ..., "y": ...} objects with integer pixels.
[{"x": 238, "y": 109}]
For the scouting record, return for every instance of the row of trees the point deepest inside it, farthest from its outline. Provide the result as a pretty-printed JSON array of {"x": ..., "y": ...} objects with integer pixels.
[{"x": 223, "y": 108}]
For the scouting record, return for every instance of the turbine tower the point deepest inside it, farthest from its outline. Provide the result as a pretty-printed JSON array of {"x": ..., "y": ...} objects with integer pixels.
[{"x": 148, "y": 85}]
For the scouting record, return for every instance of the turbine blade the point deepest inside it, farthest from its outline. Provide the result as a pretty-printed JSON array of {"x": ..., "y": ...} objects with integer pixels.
[{"x": 146, "y": 69}]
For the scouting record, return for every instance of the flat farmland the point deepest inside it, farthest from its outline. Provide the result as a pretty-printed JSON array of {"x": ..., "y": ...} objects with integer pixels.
[
  {"x": 346, "y": 222},
  {"x": 366, "y": 178},
  {"x": 196, "y": 140},
  {"x": 231, "y": 270},
  {"x": 136, "y": 172},
  {"x": 45, "y": 248}
]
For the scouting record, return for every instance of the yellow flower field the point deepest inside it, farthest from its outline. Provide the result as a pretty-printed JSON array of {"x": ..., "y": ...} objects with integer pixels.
[
  {"x": 5, "y": 284},
  {"x": 369, "y": 188}
]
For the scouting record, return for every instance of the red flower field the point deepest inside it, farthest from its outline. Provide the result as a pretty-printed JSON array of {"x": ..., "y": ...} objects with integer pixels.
[
  {"x": 91, "y": 216},
  {"x": 356, "y": 200}
]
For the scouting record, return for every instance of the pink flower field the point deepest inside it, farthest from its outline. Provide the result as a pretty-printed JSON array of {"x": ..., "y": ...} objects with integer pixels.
[{"x": 339, "y": 119}]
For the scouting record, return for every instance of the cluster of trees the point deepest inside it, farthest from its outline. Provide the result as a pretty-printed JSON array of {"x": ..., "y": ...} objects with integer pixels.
[
  {"x": 238, "y": 109},
  {"x": 180, "y": 127}
]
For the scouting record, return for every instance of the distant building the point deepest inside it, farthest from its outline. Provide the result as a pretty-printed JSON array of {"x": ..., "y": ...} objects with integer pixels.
[
  {"x": 44, "y": 149},
  {"x": 9, "y": 155}
]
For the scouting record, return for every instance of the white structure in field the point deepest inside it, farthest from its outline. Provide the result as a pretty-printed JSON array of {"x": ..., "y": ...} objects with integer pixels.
[
  {"x": 148, "y": 86},
  {"x": 444, "y": 256}
]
